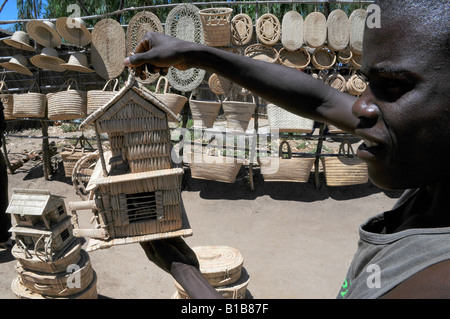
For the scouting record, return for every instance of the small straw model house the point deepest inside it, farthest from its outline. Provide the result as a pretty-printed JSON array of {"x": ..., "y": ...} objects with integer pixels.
[
  {"x": 135, "y": 192},
  {"x": 42, "y": 220}
]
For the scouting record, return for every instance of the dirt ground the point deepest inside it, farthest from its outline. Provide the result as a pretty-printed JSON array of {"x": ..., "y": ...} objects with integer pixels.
[{"x": 297, "y": 241}]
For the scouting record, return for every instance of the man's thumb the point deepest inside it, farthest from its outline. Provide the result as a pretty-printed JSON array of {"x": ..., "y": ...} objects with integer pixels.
[{"x": 136, "y": 59}]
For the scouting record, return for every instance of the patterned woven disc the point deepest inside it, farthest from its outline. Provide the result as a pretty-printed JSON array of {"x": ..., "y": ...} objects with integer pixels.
[
  {"x": 183, "y": 22},
  {"x": 241, "y": 29},
  {"x": 268, "y": 29},
  {"x": 138, "y": 26}
]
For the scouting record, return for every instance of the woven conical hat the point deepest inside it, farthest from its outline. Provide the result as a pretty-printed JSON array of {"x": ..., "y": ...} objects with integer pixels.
[
  {"x": 338, "y": 30},
  {"x": 17, "y": 63},
  {"x": 108, "y": 48},
  {"x": 73, "y": 31},
  {"x": 357, "y": 22},
  {"x": 44, "y": 33},
  {"x": 292, "y": 31},
  {"x": 315, "y": 29},
  {"x": 20, "y": 40},
  {"x": 77, "y": 62}
]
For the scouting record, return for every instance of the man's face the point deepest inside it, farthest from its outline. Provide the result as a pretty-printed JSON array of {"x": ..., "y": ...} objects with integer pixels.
[{"x": 404, "y": 114}]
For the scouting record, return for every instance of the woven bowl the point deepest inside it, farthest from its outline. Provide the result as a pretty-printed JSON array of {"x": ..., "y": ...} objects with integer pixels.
[
  {"x": 262, "y": 52},
  {"x": 323, "y": 58},
  {"x": 298, "y": 59}
]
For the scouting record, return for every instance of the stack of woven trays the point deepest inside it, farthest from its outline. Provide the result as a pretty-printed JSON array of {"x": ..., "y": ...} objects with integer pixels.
[
  {"x": 222, "y": 267},
  {"x": 67, "y": 275}
]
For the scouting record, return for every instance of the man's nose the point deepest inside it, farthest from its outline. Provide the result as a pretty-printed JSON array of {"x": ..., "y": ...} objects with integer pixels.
[{"x": 366, "y": 109}]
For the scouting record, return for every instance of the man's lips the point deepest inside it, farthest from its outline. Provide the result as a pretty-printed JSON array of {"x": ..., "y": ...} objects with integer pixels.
[{"x": 370, "y": 147}]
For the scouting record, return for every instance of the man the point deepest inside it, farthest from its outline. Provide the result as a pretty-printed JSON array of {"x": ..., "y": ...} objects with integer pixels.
[{"x": 403, "y": 118}]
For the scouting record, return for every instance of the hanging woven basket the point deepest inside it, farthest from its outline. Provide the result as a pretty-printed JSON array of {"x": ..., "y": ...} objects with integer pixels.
[
  {"x": 97, "y": 98},
  {"x": 30, "y": 104},
  {"x": 67, "y": 105},
  {"x": 298, "y": 59},
  {"x": 323, "y": 58},
  {"x": 174, "y": 102},
  {"x": 204, "y": 112},
  {"x": 211, "y": 165},
  {"x": 286, "y": 169},
  {"x": 285, "y": 121},
  {"x": 216, "y": 26},
  {"x": 218, "y": 85},
  {"x": 70, "y": 157},
  {"x": 315, "y": 28},
  {"x": 261, "y": 52},
  {"x": 356, "y": 85},
  {"x": 292, "y": 31},
  {"x": 357, "y": 22},
  {"x": 268, "y": 29},
  {"x": 345, "y": 169},
  {"x": 238, "y": 113},
  {"x": 337, "y": 30},
  {"x": 241, "y": 29},
  {"x": 7, "y": 100},
  {"x": 356, "y": 61}
]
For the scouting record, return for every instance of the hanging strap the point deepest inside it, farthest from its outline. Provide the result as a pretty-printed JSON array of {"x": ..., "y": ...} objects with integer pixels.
[
  {"x": 289, "y": 150},
  {"x": 349, "y": 152}
]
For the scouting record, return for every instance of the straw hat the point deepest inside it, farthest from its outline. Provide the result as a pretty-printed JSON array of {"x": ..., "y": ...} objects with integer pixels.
[
  {"x": 44, "y": 33},
  {"x": 78, "y": 62},
  {"x": 74, "y": 32},
  {"x": 20, "y": 40},
  {"x": 48, "y": 60},
  {"x": 18, "y": 63}
]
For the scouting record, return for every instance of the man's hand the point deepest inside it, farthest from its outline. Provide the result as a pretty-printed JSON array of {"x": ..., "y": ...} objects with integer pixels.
[
  {"x": 165, "y": 252},
  {"x": 157, "y": 52}
]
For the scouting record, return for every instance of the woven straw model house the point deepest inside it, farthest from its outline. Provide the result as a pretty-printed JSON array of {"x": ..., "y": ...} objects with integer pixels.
[{"x": 135, "y": 192}]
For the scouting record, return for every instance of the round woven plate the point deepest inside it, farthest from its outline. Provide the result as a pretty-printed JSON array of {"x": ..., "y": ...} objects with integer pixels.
[
  {"x": 315, "y": 29},
  {"x": 44, "y": 33},
  {"x": 292, "y": 31},
  {"x": 338, "y": 27},
  {"x": 74, "y": 32},
  {"x": 268, "y": 29},
  {"x": 218, "y": 84},
  {"x": 241, "y": 29},
  {"x": 357, "y": 23},
  {"x": 138, "y": 26},
  {"x": 108, "y": 48},
  {"x": 183, "y": 22}
]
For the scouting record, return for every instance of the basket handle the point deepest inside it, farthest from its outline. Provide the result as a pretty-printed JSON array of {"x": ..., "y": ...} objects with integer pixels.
[
  {"x": 158, "y": 85},
  {"x": 349, "y": 151},
  {"x": 33, "y": 82},
  {"x": 70, "y": 81},
  {"x": 281, "y": 149},
  {"x": 3, "y": 84},
  {"x": 116, "y": 82}
]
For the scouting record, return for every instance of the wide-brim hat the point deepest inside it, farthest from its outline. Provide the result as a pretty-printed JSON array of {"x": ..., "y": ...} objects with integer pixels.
[
  {"x": 20, "y": 40},
  {"x": 48, "y": 60},
  {"x": 44, "y": 33},
  {"x": 78, "y": 62},
  {"x": 74, "y": 31},
  {"x": 18, "y": 63}
]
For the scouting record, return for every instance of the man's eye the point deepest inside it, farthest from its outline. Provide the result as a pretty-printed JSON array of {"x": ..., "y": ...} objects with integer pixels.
[{"x": 390, "y": 89}]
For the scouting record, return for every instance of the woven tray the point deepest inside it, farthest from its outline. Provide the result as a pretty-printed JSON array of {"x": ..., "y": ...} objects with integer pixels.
[
  {"x": 241, "y": 29},
  {"x": 139, "y": 25},
  {"x": 298, "y": 59},
  {"x": 183, "y": 22},
  {"x": 268, "y": 29},
  {"x": 315, "y": 27},
  {"x": 357, "y": 22},
  {"x": 292, "y": 31},
  {"x": 338, "y": 30},
  {"x": 108, "y": 48}
]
